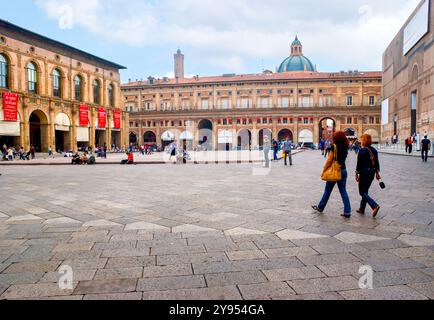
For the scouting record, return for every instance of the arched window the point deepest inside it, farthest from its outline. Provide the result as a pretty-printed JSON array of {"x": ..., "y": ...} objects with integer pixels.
[
  {"x": 111, "y": 96},
  {"x": 57, "y": 83},
  {"x": 96, "y": 92},
  {"x": 32, "y": 77},
  {"x": 4, "y": 70},
  {"x": 78, "y": 88},
  {"x": 415, "y": 73}
]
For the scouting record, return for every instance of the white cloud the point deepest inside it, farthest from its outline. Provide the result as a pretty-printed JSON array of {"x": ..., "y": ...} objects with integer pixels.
[{"x": 350, "y": 34}]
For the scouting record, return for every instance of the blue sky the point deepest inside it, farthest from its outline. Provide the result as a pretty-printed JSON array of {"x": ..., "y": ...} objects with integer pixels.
[{"x": 225, "y": 36}]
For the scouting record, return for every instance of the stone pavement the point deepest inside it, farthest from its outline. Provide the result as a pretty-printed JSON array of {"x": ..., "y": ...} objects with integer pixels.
[{"x": 212, "y": 232}]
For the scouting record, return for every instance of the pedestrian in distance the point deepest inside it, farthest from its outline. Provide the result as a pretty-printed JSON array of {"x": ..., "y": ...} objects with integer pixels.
[
  {"x": 425, "y": 147},
  {"x": 338, "y": 151},
  {"x": 275, "y": 150},
  {"x": 33, "y": 152},
  {"x": 267, "y": 147},
  {"x": 50, "y": 152},
  {"x": 287, "y": 148},
  {"x": 368, "y": 168}
]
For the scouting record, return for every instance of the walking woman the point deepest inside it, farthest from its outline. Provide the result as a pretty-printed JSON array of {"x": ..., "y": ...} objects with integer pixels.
[
  {"x": 368, "y": 167},
  {"x": 338, "y": 148}
]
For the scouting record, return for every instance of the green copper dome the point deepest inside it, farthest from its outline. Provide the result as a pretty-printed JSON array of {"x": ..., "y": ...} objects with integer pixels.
[{"x": 297, "y": 61}]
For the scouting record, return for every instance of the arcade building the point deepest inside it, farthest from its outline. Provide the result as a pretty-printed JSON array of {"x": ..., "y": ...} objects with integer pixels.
[
  {"x": 55, "y": 95},
  {"x": 232, "y": 111}
]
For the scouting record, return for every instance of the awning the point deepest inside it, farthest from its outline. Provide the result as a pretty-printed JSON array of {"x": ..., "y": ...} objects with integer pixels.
[
  {"x": 225, "y": 136},
  {"x": 168, "y": 136},
  {"x": 186, "y": 135},
  {"x": 62, "y": 122},
  {"x": 82, "y": 134}
]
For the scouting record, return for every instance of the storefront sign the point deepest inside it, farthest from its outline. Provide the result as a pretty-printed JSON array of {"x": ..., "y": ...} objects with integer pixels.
[
  {"x": 10, "y": 106},
  {"x": 84, "y": 115},
  {"x": 102, "y": 118},
  {"x": 117, "y": 118}
]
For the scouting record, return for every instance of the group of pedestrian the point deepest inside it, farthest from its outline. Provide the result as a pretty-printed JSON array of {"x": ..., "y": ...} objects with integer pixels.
[
  {"x": 368, "y": 168},
  {"x": 11, "y": 153},
  {"x": 276, "y": 145}
]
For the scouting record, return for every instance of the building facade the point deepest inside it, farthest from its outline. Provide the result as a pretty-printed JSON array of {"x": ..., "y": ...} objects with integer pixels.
[
  {"x": 236, "y": 111},
  {"x": 408, "y": 91},
  {"x": 64, "y": 98}
]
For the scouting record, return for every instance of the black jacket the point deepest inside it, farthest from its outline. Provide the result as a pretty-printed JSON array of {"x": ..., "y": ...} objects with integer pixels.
[{"x": 365, "y": 161}]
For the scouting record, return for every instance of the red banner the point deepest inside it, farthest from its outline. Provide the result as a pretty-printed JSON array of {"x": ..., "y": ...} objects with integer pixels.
[
  {"x": 10, "y": 106},
  {"x": 102, "y": 118},
  {"x": 117, "y": 118},
  {"x": 84, "y": 115}
]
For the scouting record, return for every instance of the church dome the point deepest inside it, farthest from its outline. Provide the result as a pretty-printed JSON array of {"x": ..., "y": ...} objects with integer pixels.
[{"x": 296, "y": 61}]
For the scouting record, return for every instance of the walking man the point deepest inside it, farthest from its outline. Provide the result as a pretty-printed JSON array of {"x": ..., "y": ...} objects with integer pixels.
[
  {"x": 287, "y": 147},
  {"x": 275, "y": 150},
  {"x": 425, "y": 146}
]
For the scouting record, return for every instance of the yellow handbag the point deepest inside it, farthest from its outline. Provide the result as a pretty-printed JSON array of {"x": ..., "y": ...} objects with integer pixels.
[{"x": 334, "y": 172}]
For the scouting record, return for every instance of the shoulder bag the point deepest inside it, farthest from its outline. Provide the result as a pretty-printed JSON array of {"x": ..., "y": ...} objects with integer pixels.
[{"x": 334, "y": 172}]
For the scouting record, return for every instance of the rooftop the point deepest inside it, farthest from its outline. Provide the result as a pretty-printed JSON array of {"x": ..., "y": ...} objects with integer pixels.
[
  {"x": 257, "y": 77},
  {"x": 22, "y": 34}
]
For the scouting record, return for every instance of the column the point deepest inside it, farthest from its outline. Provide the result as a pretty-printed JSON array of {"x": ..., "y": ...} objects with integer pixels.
[
  {"x": 73, "y": 129},
  {"x": 215, "y": 135},
  {"x": 92, "y": 127},
  {"x": 108, "y": 136},
  {"x": 25, "y": 128},
  {"x": 316, "y": 130},
  {"x": 296, "y": 128},
  {"x": 51, "y": 127}
]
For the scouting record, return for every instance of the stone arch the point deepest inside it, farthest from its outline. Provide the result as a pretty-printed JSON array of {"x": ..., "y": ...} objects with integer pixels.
[
  {"x": 284, "y": 134},
  {"x": 62, "y": 127},
  {"x": 39, "y": 130},
  {"x": 205, "y": 128},
  {"x": 326, "y": 128},
  {"x": 133, "y": 138},
  {"x": 244, "y": 138},
  {"x": 149, "y": 137},
  {"x": 261, "y": 133}
]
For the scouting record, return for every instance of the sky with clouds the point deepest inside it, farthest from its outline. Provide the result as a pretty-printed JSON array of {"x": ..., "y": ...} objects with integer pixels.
[{"x": 218, "y": 36}]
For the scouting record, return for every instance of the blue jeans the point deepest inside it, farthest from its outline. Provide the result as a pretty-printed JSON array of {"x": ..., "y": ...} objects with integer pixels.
[
  {"x": 275, "y": 154},
  {"x": 267, "y": 156},
  {"x": 342, "y": 185}
]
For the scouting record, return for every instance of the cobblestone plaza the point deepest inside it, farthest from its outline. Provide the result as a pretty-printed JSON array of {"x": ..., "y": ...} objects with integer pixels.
[{"x": 216, "y": 231}]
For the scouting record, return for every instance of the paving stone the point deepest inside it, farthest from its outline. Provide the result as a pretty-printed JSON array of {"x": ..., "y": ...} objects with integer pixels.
[
  {"x": 273, "y": 244},
  {"x": 387, "y": 264},
  {"x": 298, "y": 235},
  {"x": 146, "y": 226},
  {"x": 248, "y": 265},
  {"x": 426, "y": 289},
  {"x": 34, "y": 291},
  {"x": 234, "y": 278},
  {"x": 293, "y": 274},
  {"x": 131, "y": 237},
  {"x": 242, "y": 231},
  {"x": 61, "y": 221},
  {"x": 265, "y": 290},
  {"x": 78, "y": 275},
  {"x": 385, "y": 293},
  {"x": 398, "y": 277},
  {"x": 413, "y": 252},
  {"x": 416, "y": 241},
  {"x": 199, "y": 258},
  {"x": 37, "y": 266},
  {"x": 385, "y": 244},
  {"x": 115, "y": 245},
  {"x": 351, "y": 237},
  {"x": 167, "y": 271},
  {"x": 217, "y": 294},
  {"x": 191, "y": 228},
  {"x": 114, "y": 296},
  {"x": 322, "y": 296},
  {"x": 324, "y": 284},
  {"x": 130, "y": 262},
  {"x": 7, "y": 279},
  {"x": 125, "y": 253},
  {"x": 11, "y": 243},
  {"x": 290, "y": 252},
  {"x": 171, "y": 283},
  {"x": 86, "y": 264},
  {"x": 78, "y": 255},
  {"x": 177, "y": 250},
  {"x": 106, "y": 286},
  {"x": 426, "y": 261},
  {"x": 27, "y": 217},
  {"x": 101, "y": 223},
  {"x": 328, "y": 259},
  {"x": 70, "y": 247},
  {"x": 119, "y": 273},
  {"x": 245, "y": 255},
  {"x": 341, "y": 269}
]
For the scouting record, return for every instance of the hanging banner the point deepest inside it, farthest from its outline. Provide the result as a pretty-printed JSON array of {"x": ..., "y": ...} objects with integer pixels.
[
  {"x": 84, "y": 115},
  {"x": 10, "y": 106},
  {"x": 117, "y": 118},
  {"x": 102, "y": 118}
]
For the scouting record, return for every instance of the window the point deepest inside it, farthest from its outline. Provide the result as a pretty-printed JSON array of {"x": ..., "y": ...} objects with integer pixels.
[
  {"x": 371, "y": 100},
  {"x": 349, "y": 101},
  {"x": 111, "y": 94},
  {"x": 349, "y": 120},
  {"x": 371, "y": 120},
  {"x": 32, "y": 78},
  {"x": 306, "y": 120},
  {"x": 56, "y": 83},
  {"x": 96, "y": 92},
  {"x": 78, "y": 88},
  {"x": 4, "y": 69}
]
